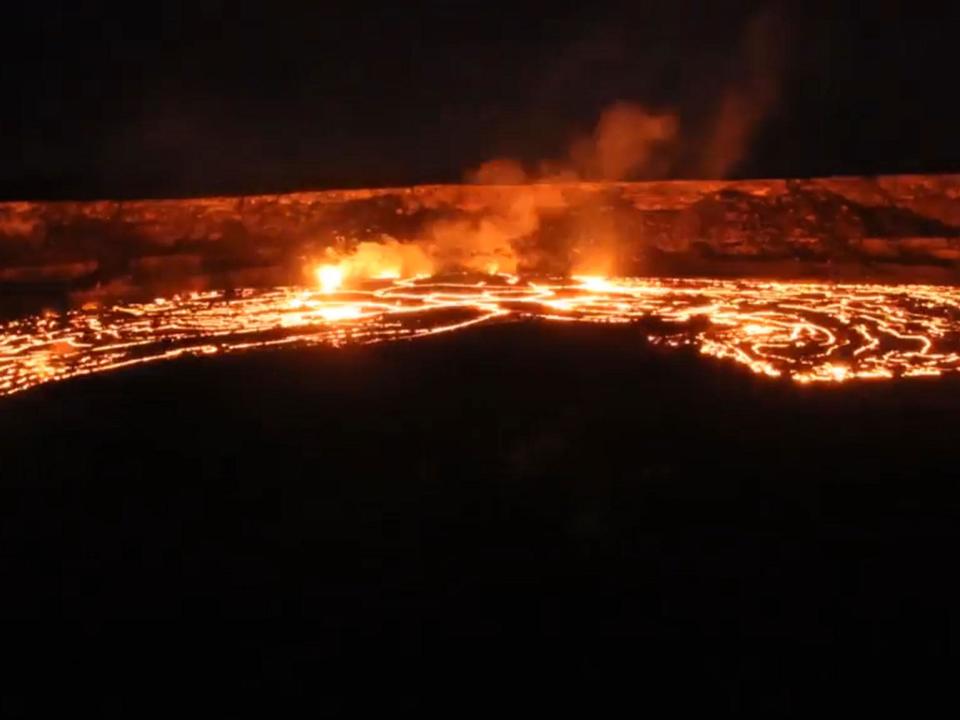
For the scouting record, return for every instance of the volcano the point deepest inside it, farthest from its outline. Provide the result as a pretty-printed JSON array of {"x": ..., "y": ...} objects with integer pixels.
[
  {"x": 466, "y": 431},
  {"x": 897, "y": 228}
]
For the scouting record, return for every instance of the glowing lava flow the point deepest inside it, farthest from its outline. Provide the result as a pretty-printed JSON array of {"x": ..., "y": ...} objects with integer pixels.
[
  {"x": 330, "y": 278},
  {"x": 803, "y": 331}
]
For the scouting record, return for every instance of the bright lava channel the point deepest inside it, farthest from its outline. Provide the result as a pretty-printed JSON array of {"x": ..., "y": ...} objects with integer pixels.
[{"x": 807, "y": 332}]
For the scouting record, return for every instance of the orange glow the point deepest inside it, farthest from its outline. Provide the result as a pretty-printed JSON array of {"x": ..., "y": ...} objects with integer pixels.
[
  {"x": 595, "y": 283},
  {"x": 330, "y": 278},
  {"x": 807, "y": 332}
]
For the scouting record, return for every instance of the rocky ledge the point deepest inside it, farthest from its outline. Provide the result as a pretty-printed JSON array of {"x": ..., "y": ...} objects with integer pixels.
[{"x": 895, "y": 227}]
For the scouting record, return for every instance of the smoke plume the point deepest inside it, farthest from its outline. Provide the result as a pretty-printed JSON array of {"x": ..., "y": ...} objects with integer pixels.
[
  {"x": 630, "y": 141},
  {"x": 633, "y": 141},
  {"x": 748, "y": 100},
  {"x": 624, "y": 143}
]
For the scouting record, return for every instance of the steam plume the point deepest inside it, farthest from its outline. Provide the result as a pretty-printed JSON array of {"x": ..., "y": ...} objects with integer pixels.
[
  {"x": 624, "y": 143},
  {"x": 630, "y": 141},
  {"x": 748, "y": 100}
]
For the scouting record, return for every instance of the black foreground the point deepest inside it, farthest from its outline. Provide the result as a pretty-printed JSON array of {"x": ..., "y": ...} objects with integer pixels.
[{"x": 520, "y": 517}]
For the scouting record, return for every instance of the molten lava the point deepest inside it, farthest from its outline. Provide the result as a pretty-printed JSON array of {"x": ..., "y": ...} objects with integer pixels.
[
  {"x": 807, "y": 332},
  {"x": 330, "y": 278}
]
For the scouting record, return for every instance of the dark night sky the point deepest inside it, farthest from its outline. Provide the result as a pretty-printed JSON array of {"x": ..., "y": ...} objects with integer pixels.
[{"x": 175, "y": 98}]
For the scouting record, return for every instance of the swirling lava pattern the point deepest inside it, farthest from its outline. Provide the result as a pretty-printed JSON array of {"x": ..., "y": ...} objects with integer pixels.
[{"x": 803, "y": 331}]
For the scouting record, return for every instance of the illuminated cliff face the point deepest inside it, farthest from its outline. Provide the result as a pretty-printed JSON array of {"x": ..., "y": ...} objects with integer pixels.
[
  {"x": 897, "y": 228},
  {"x": 800, "y": 331}
]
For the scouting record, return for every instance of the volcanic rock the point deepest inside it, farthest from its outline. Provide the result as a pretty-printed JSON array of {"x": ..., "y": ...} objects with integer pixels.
[{"x": 899, "y": 227}]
